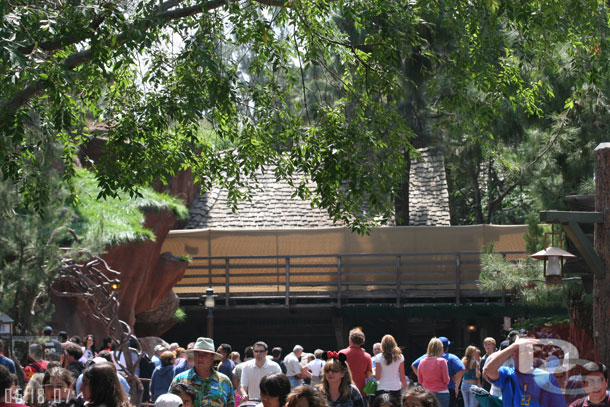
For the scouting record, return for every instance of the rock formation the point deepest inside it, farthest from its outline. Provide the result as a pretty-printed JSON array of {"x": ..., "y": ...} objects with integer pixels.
[{"x": 147, "y": 302}]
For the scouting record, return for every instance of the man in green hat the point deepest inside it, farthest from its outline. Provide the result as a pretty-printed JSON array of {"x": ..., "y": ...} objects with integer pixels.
[{"x": 213, "y": 388}]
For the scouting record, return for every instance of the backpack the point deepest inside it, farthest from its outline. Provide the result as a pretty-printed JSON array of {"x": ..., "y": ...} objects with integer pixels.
[
  {"x": 147, "y": 367},
  {"x": 37, "y": 368}
]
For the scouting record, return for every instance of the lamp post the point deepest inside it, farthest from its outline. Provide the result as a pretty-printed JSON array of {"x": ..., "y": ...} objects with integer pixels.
[{"x": 209, "y": 302}]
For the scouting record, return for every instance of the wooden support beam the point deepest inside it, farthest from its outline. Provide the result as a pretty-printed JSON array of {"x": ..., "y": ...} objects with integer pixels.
[
  {"x": 571, "y": 216},
  {"x": 570, "y": 222},
  {"x": 584, "y": 246}
]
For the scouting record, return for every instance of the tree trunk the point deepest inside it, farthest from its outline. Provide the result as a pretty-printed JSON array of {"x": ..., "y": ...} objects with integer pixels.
[
  {"x": 581, "y": 327},
  {"x": 601, "y": 285},
  {"x": 476, "y": 193},
  {"x": 401, "y": 203}
]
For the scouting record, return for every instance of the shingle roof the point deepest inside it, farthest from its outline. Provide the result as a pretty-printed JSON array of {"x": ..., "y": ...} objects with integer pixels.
[{"x": 272, "y": 204}]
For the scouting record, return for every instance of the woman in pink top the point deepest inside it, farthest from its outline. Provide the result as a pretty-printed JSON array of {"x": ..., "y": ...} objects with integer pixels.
[{"x": 432, "y": 372}]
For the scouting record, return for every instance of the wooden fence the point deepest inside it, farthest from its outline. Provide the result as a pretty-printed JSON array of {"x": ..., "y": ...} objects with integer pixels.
[{"x": 337, "y": 279}]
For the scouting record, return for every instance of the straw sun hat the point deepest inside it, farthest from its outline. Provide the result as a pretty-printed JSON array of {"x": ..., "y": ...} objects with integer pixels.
[{"x": 205, "y": 345}]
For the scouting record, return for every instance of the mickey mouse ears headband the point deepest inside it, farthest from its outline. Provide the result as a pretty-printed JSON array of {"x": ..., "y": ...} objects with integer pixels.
[{"x": 329, "y": 355}]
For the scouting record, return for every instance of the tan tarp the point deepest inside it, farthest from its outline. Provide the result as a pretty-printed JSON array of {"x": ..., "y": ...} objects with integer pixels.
[{"x": 420, "y": 248}]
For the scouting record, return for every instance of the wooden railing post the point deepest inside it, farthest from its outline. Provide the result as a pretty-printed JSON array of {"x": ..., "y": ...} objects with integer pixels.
[
  {"x": 339, "y": 278},
  {"x": 398, "y": 280},
  {"x": 458, "y": 279},
  {"x": 287, "y": 299},
  {"x": 227, "y": 285}
]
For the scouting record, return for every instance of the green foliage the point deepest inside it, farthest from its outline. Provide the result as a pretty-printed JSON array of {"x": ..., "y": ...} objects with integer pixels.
[
  {"x": 30, "y": 249},
  {"x": 151, "y": 79},
  {"x": 524, "y": 280},
  {"x": 534, "y": 237},
  {"x": 120, "y": 219},
  {"x": 499, "y": 275},
  {"x": 33, "y": 243},
  {"x": 515, "y": 92},
  {"x": 180, "y": 315}
]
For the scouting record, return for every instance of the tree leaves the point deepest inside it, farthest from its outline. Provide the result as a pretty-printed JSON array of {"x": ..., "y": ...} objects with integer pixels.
[{"x": 150, "y": 73}]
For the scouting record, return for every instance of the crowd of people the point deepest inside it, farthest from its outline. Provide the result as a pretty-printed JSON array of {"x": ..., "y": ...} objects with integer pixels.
[{"x": 68, "y": 372}]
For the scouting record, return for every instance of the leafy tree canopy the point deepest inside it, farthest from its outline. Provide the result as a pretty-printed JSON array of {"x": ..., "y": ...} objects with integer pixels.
[{"x": 150, "y": 72}]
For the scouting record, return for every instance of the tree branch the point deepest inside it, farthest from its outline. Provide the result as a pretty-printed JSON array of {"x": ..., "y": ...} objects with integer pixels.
[
  {"x": 22, "y": 97},
  {"x": 190, "y": 11},
  {"x": 95, "y": 23},
  {"x": 526, "y": 170},
  {"x": 276, "y": 3},
  {"x": 63, "y": 41}
]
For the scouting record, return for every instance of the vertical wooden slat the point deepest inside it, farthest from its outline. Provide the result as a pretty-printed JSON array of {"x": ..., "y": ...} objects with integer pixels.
[
  {"x": 458, "y": 279},
  {"x": 227, "y": 285},
  {"x": 287, "y": 299},
  {"x": 339, "y": 278},
  {"x": 398, "y": 281}
]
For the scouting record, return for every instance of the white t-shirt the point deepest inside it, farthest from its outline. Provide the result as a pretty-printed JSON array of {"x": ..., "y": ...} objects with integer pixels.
[
  {"x": 315, "y": 366},
  {"x": 251, "y": 375},
  {"x": 390, "y": 377},
  {"x": 293, "y": 367}
]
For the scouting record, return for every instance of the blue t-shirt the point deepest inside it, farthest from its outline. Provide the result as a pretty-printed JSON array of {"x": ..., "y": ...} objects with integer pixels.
[
  {"x": 227, "y": 367},
  {"x": 9, "y": 364},
  {"x": 454, "y": 365},
  {"x": 182, "y": 366},
  {"x": 535, "y": 389}
]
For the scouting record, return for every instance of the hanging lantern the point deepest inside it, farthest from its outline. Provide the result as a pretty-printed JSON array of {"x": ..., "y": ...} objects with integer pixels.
[{"x": 554, "y": 256}]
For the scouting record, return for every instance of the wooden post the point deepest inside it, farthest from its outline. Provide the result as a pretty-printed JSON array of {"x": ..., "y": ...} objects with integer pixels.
[
  {"x": 227, "y": 285},
  {"x": 458, "y": 280},
  {"x": 398, "y": 281},
  {"x": 287, "y": 299},
  {"x": 339, "y": 278},
  {"x": 601, "y": 284}
]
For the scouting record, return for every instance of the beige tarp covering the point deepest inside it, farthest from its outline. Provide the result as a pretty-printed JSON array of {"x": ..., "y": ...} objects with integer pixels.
[{"x": 423, "y": 256}]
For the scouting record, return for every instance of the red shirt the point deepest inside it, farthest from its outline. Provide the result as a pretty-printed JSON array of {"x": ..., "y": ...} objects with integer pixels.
[
  {"x": 29, "y": 371},
  {"x": 359, "y": 364}
]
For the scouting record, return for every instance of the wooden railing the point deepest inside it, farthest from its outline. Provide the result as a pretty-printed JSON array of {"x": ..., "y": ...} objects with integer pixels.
[{"x": 338, "y": 279}]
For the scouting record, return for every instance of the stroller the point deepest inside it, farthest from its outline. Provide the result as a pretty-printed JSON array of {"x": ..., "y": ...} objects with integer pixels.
[{"x": 484, "y": 398}]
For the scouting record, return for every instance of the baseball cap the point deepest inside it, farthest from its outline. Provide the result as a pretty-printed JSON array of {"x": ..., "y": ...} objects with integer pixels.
[
  {"x": 168, "y": 400},
  {"x": 446, "y": 342}
]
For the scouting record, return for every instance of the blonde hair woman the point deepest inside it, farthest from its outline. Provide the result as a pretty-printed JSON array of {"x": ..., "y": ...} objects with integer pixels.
[
  {"x": 472, "y": 375},
  {"x": 433, "y": 373},
  {"x": 390, "y": 368}
]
